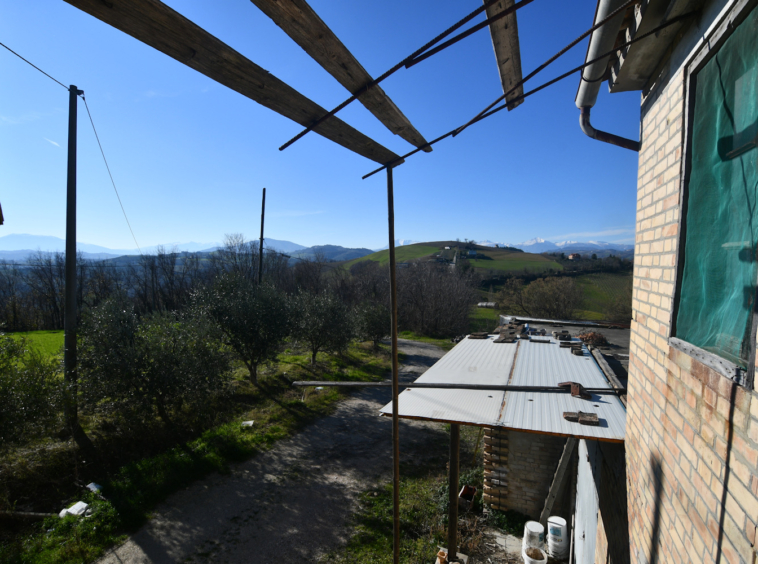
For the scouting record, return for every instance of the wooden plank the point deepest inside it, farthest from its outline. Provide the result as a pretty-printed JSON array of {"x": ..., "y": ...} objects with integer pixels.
[
  {"x": 166, "y": 30},
  {"x": 609, "y": 373},
  {"x": 504, "y": 33},
  {"x": 298, "y": 20},
  {"x": 558, "y": 479}
]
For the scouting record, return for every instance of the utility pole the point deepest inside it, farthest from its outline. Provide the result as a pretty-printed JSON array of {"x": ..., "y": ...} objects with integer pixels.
[
  {"x": 69, "y": 320},
  {"x": 260, "y": 252}
]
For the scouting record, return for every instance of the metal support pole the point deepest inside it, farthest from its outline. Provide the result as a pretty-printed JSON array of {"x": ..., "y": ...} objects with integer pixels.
[
  {"x": 69, "y": 319},
  {"x": 453, "y": 477},
  {"x": 260, "y": 252},
  {"x": 395, "y": 372}
]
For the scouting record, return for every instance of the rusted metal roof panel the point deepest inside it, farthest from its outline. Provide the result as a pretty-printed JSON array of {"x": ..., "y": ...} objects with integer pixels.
[{"x": 525, "y": 362}]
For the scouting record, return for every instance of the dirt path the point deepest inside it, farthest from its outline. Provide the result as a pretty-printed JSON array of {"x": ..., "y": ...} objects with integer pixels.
[{"x": 291, "y": 504}]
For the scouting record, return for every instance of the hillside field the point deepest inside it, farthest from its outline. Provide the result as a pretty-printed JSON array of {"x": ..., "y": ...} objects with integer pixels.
[
  {"x": 600, "y": 291},
  {"x": 502, "y": 259}
]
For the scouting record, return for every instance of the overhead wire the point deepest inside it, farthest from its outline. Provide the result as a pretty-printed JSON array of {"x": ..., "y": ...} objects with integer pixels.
[
  {"x": 120, "y": 203},
  {"x": 489, "y": 112},
  {"x": 96, "y": 137},
  {"x": 407, "y": 60},
  {"x": 35, "y": 66}
]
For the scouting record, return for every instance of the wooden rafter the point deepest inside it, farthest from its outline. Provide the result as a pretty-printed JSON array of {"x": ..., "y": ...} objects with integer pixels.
[
  {"x": 298, "y": 20},
  {"x": 166, "y": 30},
  {"x": 504, "y": 33}
]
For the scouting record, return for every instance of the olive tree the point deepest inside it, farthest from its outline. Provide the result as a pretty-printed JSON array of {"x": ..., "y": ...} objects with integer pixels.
[
  {"x": 323, "y": 322},
  {"x": 155, "y": 364},
  {"x": 375, "y": 322},
  {"x": 254, "y": 320}
]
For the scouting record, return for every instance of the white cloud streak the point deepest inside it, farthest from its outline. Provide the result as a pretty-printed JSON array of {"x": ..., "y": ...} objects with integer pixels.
[{"x": 51, "y": 141}]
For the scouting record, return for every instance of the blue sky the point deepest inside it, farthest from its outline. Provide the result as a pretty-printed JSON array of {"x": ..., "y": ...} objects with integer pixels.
[{"x": 190, "y": 156}]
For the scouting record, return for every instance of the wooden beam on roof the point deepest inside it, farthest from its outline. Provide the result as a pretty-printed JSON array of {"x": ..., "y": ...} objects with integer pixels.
[
  {"x": 298, "y": 20},
  {"x": 504, "y": 33},
  {"x": 166, "y": 30}
]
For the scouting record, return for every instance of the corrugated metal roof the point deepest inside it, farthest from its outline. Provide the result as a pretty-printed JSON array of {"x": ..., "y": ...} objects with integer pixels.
[{"x": 531, "y": 363}]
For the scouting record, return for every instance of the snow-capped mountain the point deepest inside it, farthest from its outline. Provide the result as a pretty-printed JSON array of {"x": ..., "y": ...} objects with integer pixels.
[{"x": 539, "y": 245}]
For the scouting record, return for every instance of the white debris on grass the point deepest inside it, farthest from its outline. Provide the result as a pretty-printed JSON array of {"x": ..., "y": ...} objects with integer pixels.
[
  {"x": 93, "y": 487},
  {"x": 247, "y": 423},
  {"x": 79, "y": 508}
]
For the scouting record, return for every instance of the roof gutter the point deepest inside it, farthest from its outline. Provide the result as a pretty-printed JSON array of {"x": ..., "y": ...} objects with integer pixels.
[{"x": 602, "y": 41}]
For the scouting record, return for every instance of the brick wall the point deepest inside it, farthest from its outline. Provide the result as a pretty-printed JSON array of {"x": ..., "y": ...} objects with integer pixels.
[
  {"x": 692, "y": 436},
  {"x": 518, "y": 471}
]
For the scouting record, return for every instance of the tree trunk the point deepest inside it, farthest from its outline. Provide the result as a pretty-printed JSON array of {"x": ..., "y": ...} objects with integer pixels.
[
  {"x": 313, "y": 357},
  {"x": 253, "y": 369},
  {"x": 163, "y": 414}
]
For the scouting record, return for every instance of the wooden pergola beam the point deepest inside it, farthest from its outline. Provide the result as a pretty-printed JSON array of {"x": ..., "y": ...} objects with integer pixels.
[
  {"x": 166, "y": 30},
  {"x": 505, "y": 41},
  {"x": 304, "y": 26}
]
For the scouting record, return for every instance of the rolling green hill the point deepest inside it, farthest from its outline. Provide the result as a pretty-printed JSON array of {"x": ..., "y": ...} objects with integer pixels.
[{"x": 495, "y": 259}]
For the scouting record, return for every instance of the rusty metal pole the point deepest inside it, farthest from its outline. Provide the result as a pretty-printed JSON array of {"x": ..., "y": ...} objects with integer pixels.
[
  {"x": 453, "y": 478},
  {"x": 69, "y": 317},
  {"x": 260, "y": 251},
  {"x": 395, "y": 375}
]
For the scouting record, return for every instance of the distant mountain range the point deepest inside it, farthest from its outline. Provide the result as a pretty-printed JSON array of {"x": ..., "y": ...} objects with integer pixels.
[{"x": 18, "y": 247}]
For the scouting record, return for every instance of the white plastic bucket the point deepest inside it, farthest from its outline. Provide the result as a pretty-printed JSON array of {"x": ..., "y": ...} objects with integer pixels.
[
  {"x": 557, "y": 538},
  {"x": 534, "y": 535},
  {"x": 528, "y": 560}
]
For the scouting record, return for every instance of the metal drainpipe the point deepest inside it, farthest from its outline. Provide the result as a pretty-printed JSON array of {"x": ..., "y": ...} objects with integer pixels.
[
  {"x": 584, "y": 123},
  {"x": 601, "y": 41}
]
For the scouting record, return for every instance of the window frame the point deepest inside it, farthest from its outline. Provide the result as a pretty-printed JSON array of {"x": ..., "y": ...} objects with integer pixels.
[{"x": 710, "y": 45}]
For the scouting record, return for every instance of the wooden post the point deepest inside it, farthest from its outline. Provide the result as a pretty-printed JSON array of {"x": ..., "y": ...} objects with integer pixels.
[
  {"x": 395, "y": 376},
  {"x": 260, "y": 252},
  {"x": 453, "y": 478},
  {"x": 558, "y": 479}
]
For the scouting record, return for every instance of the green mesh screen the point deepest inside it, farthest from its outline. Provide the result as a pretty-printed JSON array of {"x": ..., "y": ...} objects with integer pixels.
[{"x": 719, "y": 275}]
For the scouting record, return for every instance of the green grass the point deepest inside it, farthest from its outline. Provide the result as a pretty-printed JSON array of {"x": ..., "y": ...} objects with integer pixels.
[
  {"x": 49, "y": 343},
  {"x": 132, "y": 492},
  {"x": 483, "y": 319},
  {"x": 423, "y": 509},
  {"x": 502, "y": 260},
  {"x": 446, "y": 344},
  {"x": 600, "y": 291},
  {"x": 507, "y": 261},
  {"x": 402, "y": 254}
]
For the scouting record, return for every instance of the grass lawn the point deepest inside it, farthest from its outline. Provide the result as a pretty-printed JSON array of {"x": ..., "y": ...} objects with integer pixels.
[
  {"x": 446, "y": 344},
  {"x": 134, "y": 487},
  {"x": 484, "y": 319},
  {"x": 50, "y": 343}
]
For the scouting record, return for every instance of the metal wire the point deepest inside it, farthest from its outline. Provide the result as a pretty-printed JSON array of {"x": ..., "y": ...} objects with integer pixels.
[
  {"x": 485, "y": 114},
  {"x": 109, "y": 173},
  {"x": 390, "y": 72},
  {"x": 551, "y": 60},
  {"x": 35, "y": 66}
]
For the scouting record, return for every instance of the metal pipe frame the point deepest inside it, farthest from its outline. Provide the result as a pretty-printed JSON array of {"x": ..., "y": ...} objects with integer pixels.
[
  {"x": 453, "y": 479},
  {"x": 604, "y": 136},
  {"x": 447, "y": 386}
]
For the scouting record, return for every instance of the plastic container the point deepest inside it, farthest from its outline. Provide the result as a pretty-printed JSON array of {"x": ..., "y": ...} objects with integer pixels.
[
  {"x": 530, "y": 560},
  {"x": 557, "y": 538},
  {"x": 534, "y": 535}
]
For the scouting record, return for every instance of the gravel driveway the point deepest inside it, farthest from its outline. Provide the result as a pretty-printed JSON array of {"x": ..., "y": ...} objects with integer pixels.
[{"x": 292, "y": 503}]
